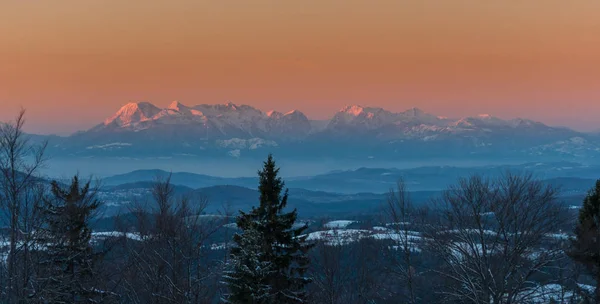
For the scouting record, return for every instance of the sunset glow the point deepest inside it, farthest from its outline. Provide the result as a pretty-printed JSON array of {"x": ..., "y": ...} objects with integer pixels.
[{"x": 72, "y": 64}]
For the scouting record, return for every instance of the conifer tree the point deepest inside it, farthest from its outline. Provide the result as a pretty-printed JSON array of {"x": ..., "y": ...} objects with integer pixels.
[
  {"x": 276, "y": 243},
  {"x": 67, "y": 261},
  {"x": 248, "y": 274},
  {"x": 585, "y": 247}
]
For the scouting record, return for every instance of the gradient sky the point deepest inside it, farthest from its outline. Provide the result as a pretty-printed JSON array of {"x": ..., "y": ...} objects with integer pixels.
[{"x": 73, "y": 63}]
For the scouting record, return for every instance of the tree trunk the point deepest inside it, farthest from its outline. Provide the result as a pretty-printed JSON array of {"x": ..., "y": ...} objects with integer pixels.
[
  {"x": 597, "y": 292},
  {"x": 11, "y": 263},
  {"x": 12, "y": 256}
]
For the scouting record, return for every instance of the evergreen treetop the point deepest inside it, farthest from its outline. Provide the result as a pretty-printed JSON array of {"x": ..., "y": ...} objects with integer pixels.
[
  {"x": 590, "y": 211},
  {"x": 280, "y": 245},
  {"x": 67, "y": 264}
]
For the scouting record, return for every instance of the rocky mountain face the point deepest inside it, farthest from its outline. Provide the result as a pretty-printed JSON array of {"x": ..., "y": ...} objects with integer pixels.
[
  {"x": 215, "y": 121},
  {"x": 232, "y": 130}
]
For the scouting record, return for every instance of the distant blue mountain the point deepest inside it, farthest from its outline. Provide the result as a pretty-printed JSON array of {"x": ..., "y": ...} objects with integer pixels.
[
  {"x": 179, "y": 178},
  {"x": 380, "y": 180}
]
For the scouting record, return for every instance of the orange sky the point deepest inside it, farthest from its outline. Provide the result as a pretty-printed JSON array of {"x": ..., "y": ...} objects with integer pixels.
[{"x": 73, "y": 63}]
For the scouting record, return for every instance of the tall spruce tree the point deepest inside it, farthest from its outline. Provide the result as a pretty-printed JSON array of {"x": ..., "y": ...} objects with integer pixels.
[
  {"x": 67, "y": 263},
  {"x": 270, "y": 247},
  {"x": 585, "y": 247},
  {"x": 248, "y": 272}
]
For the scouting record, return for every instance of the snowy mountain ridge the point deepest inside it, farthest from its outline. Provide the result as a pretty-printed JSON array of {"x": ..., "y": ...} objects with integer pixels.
[
  {"x": 216, "y": 117},
  {"x": 141, "y": 115},
  {"x": 354, "y": 131}
]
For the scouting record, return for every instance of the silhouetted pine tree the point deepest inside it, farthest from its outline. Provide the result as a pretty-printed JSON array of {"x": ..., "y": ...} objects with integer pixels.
[
  {"x": 67, "y": 261},
  {"x": 282, "y": 251},
  {"x": 586, "y": 245}
]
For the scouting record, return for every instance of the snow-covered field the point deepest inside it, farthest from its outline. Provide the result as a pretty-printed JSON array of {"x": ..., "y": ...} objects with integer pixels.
[{"x": 338, "y": 237}]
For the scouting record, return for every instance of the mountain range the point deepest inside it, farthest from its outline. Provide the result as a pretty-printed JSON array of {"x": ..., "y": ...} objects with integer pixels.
[{"x": 233, "y": 131}]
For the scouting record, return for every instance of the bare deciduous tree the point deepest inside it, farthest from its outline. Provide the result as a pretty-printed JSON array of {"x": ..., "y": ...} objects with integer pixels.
[
  {"x": 21, "y": 190},
  {"x": 400, "y": 214},
  {"x": 494, "y": 237},
  {"x": 169, "y": 265},
  {"x": 331, "y": 272}
]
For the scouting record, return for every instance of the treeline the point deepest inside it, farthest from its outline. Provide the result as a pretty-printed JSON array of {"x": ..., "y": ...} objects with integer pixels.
[{"x": 502, "y": 240}]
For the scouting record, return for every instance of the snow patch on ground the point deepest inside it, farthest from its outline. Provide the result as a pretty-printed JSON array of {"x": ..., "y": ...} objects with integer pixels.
[
  {"x": 106, "y": 234},
  {"x": 338, "y": 224},
  {"x": 339, "y": 237}
]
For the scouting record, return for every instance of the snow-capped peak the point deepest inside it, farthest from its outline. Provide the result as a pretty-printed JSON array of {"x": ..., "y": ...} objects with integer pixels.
[
  {"x": 354, "y": 110},
  {"x": 274, "y": 114},
  {"x": 358, "y": 116},
  {"x": 133, "y": 112},
  {"x": 371, "y": 113},
  {"x": 481, "y": 120},
  {"x": 291, "y": 122},
  {"x": 178, "y": 109},
  {"x": 231, "y": 105},
  {"x": 296, "y": 115},
  {"x": 491, "y": 119},
  {"x": 178, "y": 106}
]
